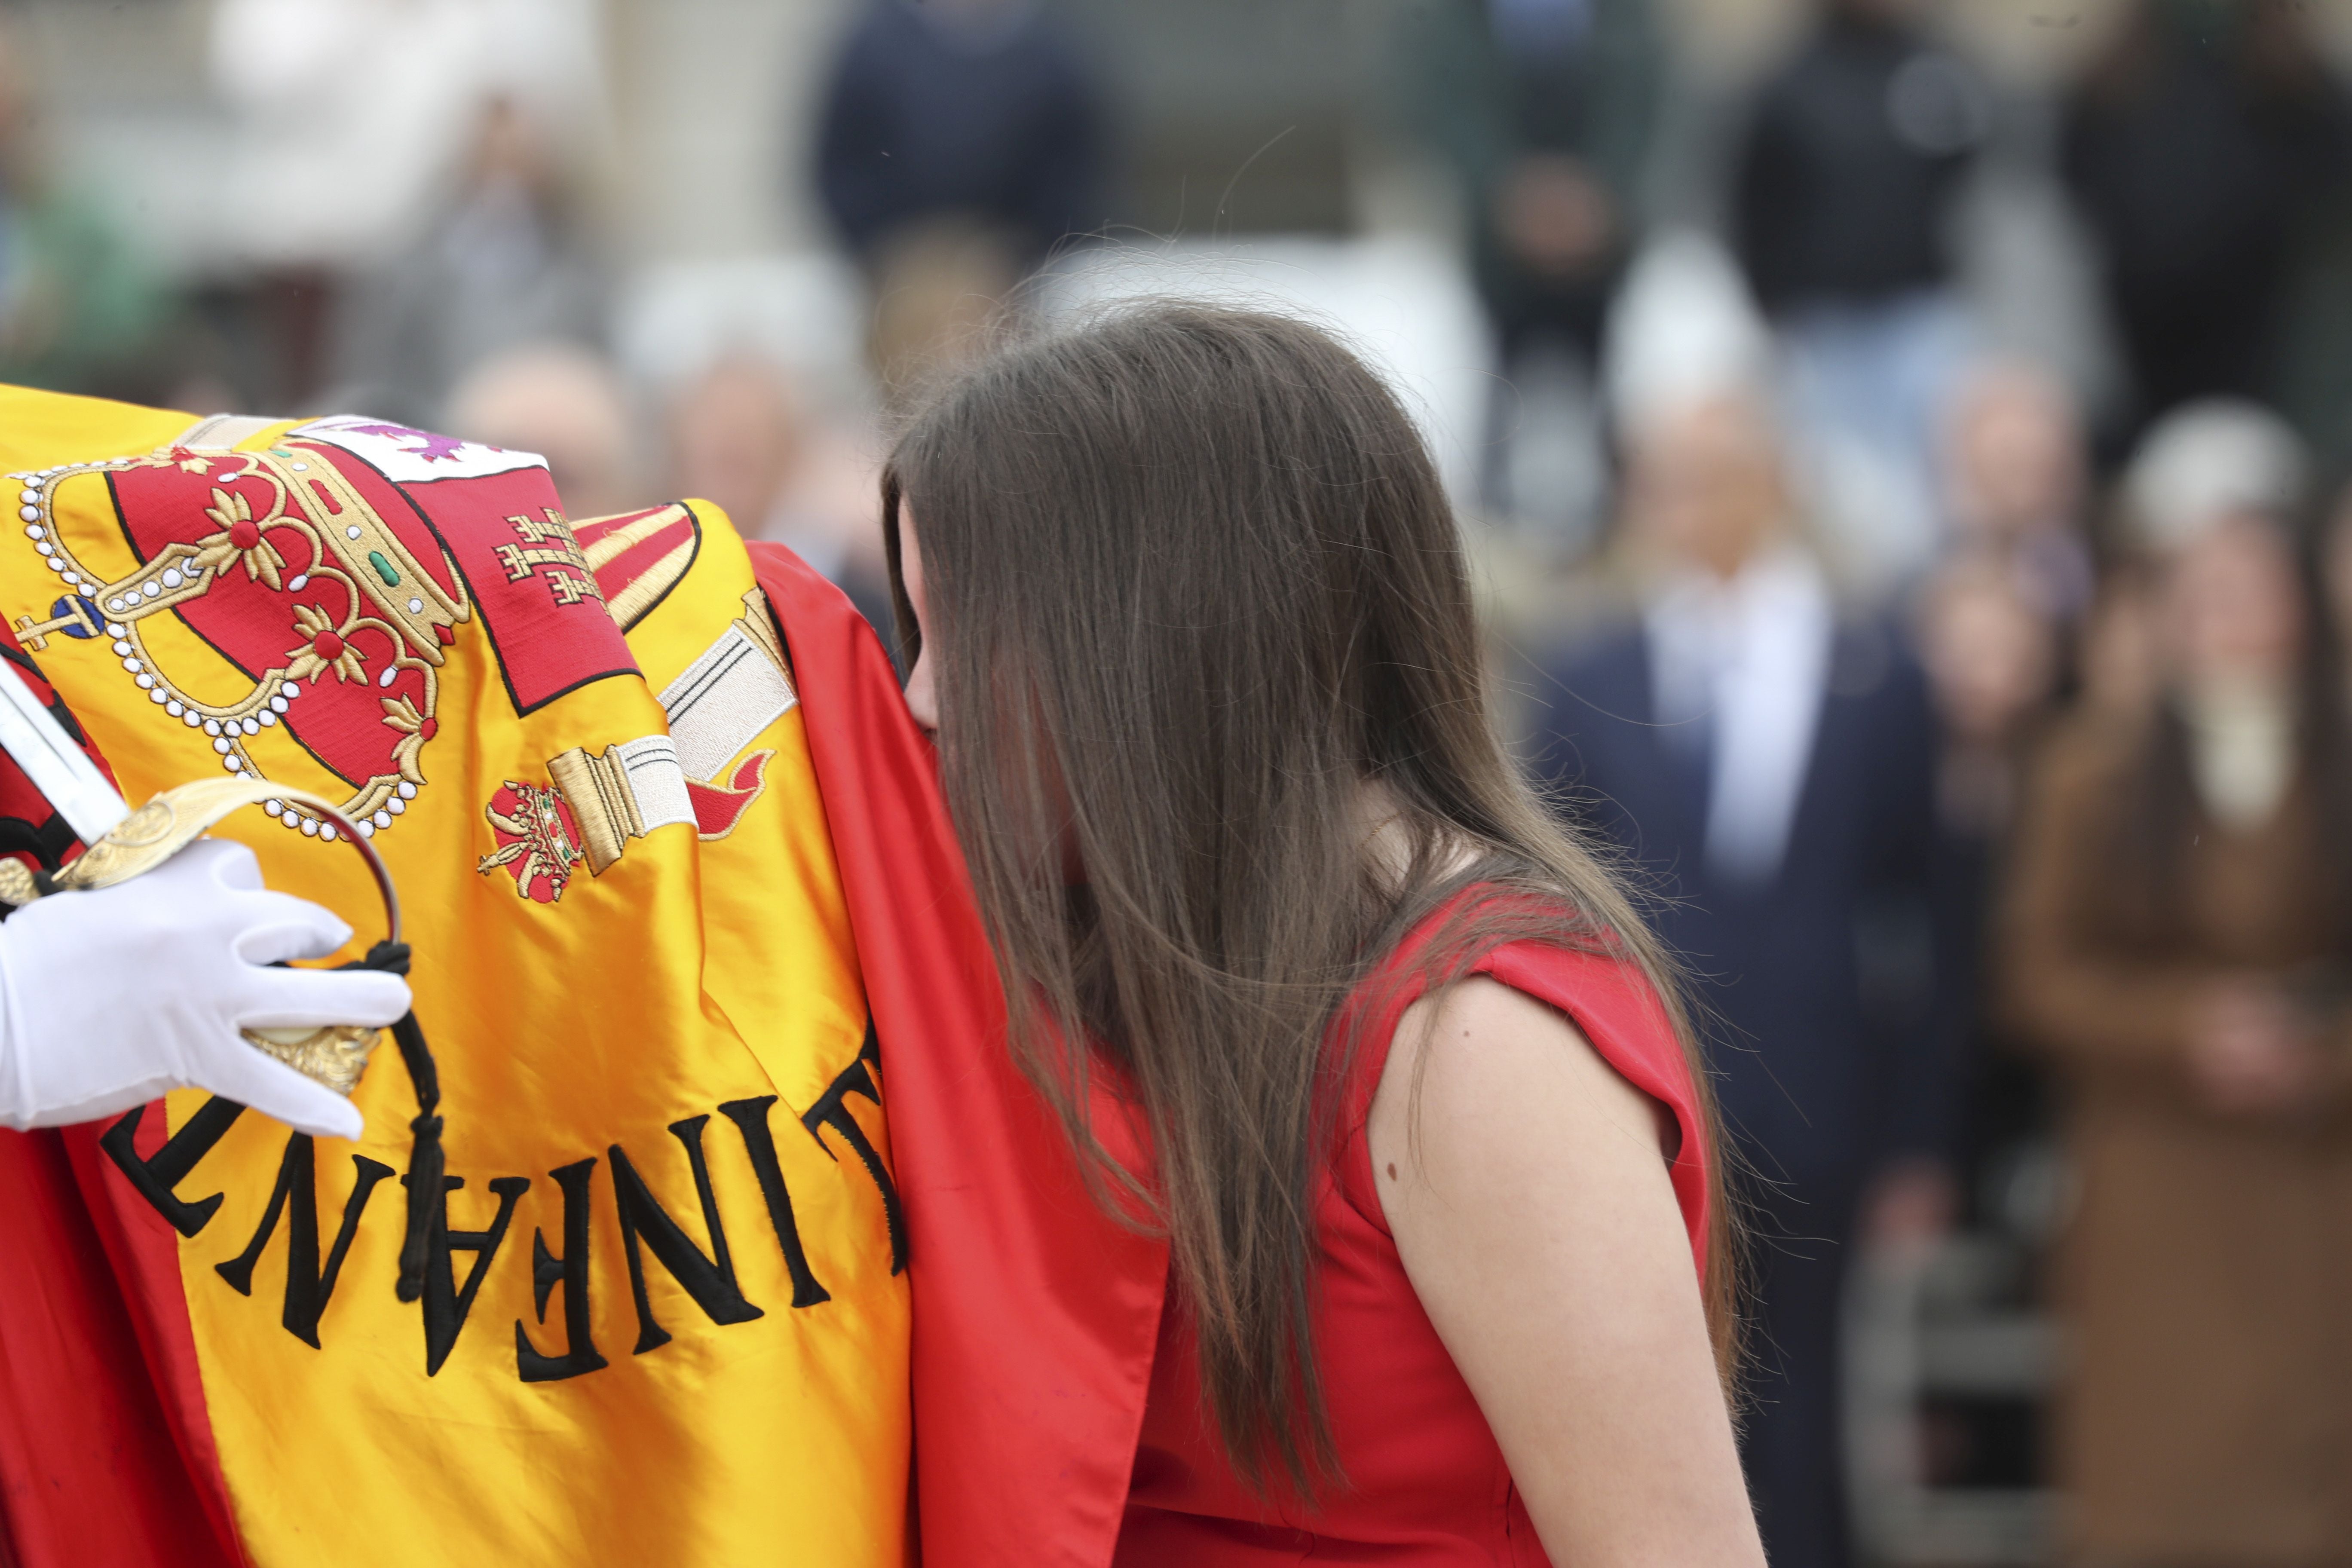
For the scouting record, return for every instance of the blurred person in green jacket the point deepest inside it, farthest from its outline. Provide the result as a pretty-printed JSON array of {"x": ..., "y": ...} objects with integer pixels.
[
  {"x": 78, "y": 309},
  {"x": 1544, "y": 112}
]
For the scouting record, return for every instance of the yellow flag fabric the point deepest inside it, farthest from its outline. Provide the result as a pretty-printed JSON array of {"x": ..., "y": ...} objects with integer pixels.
[{"x": 656, "y": 1312}]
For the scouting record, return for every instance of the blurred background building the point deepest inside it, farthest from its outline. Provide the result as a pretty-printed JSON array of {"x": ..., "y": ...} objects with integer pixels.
[{"x": 1903, "y": 444}]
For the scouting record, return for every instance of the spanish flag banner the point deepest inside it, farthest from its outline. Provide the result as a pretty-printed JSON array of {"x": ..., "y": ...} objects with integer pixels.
[{"x": 619, "y": 1271}]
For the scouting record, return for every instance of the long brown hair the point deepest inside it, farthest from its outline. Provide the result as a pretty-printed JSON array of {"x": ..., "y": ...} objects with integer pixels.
[{"x": 1190, "y": 583}]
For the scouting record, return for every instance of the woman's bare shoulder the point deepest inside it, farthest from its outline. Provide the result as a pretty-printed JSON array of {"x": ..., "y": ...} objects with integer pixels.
[{"x": 1480, "y": 1059}]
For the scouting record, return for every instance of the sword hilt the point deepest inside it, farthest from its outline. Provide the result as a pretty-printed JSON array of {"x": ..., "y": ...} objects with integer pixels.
[{"x": 334, "y": 1056}]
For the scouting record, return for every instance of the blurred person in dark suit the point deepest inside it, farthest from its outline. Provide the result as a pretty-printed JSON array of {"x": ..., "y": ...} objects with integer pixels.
[
  {"x": 960, "y": 142},
  {"x": 2175, "y": 936},
  {"x": 1843, "y": 192},
  {"x": 1767, "y": 759},
  {"x": 2199, "y": 144}
]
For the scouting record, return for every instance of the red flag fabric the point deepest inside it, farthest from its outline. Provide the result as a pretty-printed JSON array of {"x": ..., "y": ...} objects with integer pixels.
[
  {"x": 104, "y": 1455},
  {"x": 95, "y": 1464},
  {"x": 1035, "y": 1313}
]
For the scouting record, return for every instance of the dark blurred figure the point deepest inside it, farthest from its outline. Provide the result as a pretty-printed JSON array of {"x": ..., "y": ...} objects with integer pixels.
[
  {"x": 1999, "y": 626},
  {"x": 2175, "y": 937},
  {"x": 506, "y": 262},
  {"x": 1769, "y": 762},
  {"x": 1545, "y": 111},
  {"x": 1993, "y": 649},
  {"x": 960, "y": 142},
  {"x": 1857, "y": 146},
  {"x": 2200, "y": 143},
  {"x": 78, "y": 314},
  {"x": 1842, "y": 199}
]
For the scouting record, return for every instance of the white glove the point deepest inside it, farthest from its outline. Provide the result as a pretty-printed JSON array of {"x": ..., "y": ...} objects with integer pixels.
[{"x": 107, "y": 998}]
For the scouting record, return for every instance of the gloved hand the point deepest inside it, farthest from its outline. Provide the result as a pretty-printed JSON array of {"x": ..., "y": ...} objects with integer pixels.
[{"x": 107, "y": 998}]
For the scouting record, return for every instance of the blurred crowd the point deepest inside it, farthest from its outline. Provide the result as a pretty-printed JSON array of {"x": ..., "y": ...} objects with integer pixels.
[
  {"x": 1980, "y": 724},
  {"x": 1983, "y": 743}
]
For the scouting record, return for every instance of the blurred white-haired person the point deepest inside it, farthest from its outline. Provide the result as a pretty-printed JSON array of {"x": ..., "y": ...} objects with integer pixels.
[
  {"x": 1766, "y": 753},
  {"x": 2176, "y": 940}
]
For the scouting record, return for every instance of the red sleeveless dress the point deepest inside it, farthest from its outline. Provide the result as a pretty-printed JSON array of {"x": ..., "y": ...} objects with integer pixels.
[{"x": 1427, "y": 1481}]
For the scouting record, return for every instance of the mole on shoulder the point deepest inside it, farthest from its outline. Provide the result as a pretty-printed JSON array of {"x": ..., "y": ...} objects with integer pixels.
[{"x": 1392, "y": 1176}]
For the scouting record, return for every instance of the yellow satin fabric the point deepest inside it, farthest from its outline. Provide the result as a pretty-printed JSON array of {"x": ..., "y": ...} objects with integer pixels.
[{"x": 690, "y": 974}]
